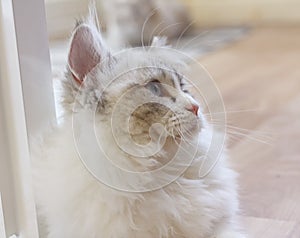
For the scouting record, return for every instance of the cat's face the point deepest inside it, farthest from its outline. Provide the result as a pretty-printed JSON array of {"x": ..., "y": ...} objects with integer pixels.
[
  {"x": 154, "y": 95},
  {"x": 134, "y": 90}
]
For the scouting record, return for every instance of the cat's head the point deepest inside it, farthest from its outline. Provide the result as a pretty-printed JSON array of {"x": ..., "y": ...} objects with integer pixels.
[{"x": 133, "y": 89}]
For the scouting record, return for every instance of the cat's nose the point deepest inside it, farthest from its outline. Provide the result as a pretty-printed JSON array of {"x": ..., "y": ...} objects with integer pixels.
[{"x": 193, "y": 108}]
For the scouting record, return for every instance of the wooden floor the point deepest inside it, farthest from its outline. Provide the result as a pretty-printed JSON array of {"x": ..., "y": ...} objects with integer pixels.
[{"x": 260, "y": 76}]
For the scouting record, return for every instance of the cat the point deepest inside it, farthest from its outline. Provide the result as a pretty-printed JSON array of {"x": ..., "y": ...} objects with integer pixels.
[{"x": 73, "y": 201}]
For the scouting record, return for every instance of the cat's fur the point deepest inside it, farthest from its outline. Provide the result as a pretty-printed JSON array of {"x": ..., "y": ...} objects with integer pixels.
[{"x": 74, "y": 204}]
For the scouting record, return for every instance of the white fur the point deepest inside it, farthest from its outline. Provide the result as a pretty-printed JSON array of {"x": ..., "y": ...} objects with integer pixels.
[
  {"x": 76, "y": 205},
  {"x": 73, "y": 204}
]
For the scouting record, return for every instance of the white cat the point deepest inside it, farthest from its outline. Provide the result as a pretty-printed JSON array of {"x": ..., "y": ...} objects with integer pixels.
[{"x": 79, "y": 201}]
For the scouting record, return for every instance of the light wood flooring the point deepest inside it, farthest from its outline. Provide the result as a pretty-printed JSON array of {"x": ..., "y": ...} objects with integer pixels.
[{"x": 260, "y": 77}]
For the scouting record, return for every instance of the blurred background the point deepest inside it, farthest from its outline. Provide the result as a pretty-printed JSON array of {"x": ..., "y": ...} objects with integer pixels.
[
  {"x": 194, "y": 26},
  {"x": 252, "y": 50},
  {"x": 204, "y": 13}
]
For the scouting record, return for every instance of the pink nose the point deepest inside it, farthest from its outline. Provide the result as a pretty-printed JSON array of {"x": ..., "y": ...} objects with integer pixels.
[{"x": 193, "y": 108}]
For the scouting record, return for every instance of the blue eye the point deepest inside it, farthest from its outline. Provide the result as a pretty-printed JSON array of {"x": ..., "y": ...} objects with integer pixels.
[{"x": 154, "y": 87}]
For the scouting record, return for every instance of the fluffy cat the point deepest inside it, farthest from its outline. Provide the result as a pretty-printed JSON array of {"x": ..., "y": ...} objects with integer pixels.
[{"x": 73, "y": 203}]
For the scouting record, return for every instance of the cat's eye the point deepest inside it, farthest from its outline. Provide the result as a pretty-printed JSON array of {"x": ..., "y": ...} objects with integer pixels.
[
  {"x": 155, "y": 87},
  {"x": 185, "y": 87}
]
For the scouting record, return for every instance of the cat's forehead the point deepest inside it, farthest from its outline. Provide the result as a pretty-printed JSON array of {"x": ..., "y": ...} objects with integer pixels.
[
  {"x": 145, "y": 73},
  {"x": 144, "y": 66}
]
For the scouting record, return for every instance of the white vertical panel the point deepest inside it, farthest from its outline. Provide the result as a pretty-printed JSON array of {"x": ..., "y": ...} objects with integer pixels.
[
  {"x": 6, "y": 176},
  {"x": 7, "y": 48},
  {"x": 26, "y": 106},
  {"x": 2, "y": 228},
  {"x": 33, "y": 50}
]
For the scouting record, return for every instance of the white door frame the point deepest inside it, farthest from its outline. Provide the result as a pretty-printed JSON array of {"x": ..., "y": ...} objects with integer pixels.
[{"x": 26, "y": 106}]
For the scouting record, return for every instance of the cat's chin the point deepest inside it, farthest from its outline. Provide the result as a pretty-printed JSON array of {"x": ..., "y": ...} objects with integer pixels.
[{"x": 193, "y": 129}]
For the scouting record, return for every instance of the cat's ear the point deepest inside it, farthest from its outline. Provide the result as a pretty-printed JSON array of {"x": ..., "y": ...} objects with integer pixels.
[
  {"x": 158, "y": 41},
  {"x": 87, "y": 49}
]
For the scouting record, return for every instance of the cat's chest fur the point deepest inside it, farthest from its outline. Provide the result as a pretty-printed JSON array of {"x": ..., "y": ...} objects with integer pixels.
[{"x": 77, "y": 205}]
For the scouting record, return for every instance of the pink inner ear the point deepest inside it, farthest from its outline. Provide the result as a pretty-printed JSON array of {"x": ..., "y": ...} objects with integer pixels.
[{"x": 84, "y": 53}]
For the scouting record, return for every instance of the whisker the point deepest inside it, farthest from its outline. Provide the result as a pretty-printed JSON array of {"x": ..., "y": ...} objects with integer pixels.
[
  {"x": 186, "y": 131},
  {"x": 184, "y": 31},
  {"x": 247, "y": 130},
  {"x": 152, "y": 33},
  {"x": 194, "y": 38},
  {"x": 169, "y": 26},
  {"x": 255, "y": 135},
  {"x": 265, "y": 134},
  {"x": 262, "y": 133},
  {"x": 144, "y": 24},
  {"x": 183, "y": 137},
  {"x": 232, "y": 112},
  {"x": 247, "y": 136},
  {"x": 181, "y": 147}
]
